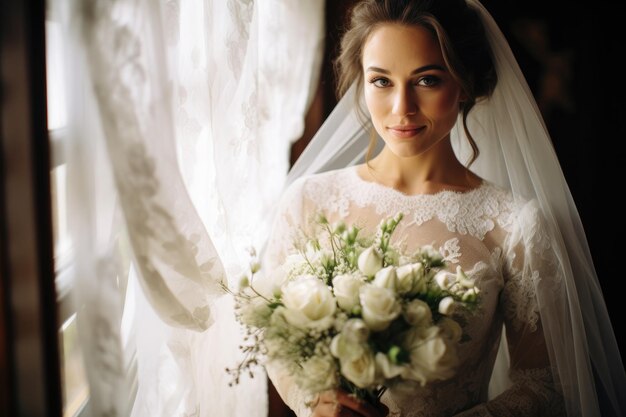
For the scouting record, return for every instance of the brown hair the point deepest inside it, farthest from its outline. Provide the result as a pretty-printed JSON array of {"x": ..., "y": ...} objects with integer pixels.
[{"x": 455, "y": 25}]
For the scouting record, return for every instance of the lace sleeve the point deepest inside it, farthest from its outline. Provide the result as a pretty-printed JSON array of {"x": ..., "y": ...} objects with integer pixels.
[
  {"x": 532, "y": 275},
  {"x": 289, "y": 223}
]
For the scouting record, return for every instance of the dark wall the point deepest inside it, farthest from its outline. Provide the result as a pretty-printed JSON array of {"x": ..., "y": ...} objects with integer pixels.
[{"x": 570, "y": 56}]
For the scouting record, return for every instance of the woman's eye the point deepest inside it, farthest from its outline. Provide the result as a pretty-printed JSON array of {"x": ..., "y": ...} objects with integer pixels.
[
  {"x": 381, "y": 82},
  {"x": 428, "y": 81}
]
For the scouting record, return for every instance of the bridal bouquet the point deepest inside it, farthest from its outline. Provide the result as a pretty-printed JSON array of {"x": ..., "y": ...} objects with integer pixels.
[{"x": 357, "y": 313}]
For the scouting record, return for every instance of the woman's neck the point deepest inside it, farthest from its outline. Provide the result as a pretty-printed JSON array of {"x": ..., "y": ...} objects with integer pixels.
[{"x": 428, "y": 173}]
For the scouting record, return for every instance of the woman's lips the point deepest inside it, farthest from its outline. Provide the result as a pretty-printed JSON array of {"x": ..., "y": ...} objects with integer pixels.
[{"x": 405, "y": 132}]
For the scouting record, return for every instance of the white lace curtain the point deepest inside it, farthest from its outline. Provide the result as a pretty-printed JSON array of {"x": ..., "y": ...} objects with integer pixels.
[{"x": 182, "y": 114}]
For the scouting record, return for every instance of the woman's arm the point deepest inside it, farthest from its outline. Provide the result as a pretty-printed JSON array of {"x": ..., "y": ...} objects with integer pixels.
[{"x": 532, "y": 279}]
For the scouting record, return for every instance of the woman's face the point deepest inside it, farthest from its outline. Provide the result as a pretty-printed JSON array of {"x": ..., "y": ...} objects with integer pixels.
[{"x": 410, "y": 94}]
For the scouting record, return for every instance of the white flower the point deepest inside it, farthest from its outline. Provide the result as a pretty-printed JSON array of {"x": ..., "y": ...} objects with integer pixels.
[
  {"x": 462, "y": 279},
  {"x": 255, "y": 266},
  {"x": 350, "y": 234},
  {"x": 410, "y": 278},
  {"x": 447, "y": 306},
  {"x": 318, "y": 373},
  {"x": 386, "y": 278},
  {"x": 311, "y": 251},
  {"x": 420, "y": 283},
  {"x": 317, "y": 256},
  {"x": 470, "y": 295},
  {"x": 404, "y": 259},
  {"x": 356, "y": 361},
  {"x": 379, "y": 305},
  {"x": 343, "y": 347},
  {"x": 244, "y": 282},
  {"x": 386, "y": 368},
  {"x": 445, "y": 279},
  {"x": 255, "y": 313},
  {"x": 370, "y": 261},
  {"x": 433, "y": 254},
  {"x": 340, "y": 321},
  {"x": 294, "y": 260},
  {"x": 355, "y": 330},
  {"x": 451, "y": 329},
  {"x": 269, "y": 284},
  {"x": 404, "y": 276},
  {"x": 327, "y": 258},
  {"x": 417, "y": 313},
  {"x": 309, "y": 303},
  {"x": 346, "y": 289},
  {"x": 432, "y": 356}
]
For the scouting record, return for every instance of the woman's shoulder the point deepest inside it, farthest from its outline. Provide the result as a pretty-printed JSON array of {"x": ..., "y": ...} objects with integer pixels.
[{"x": 516, "y": 213}]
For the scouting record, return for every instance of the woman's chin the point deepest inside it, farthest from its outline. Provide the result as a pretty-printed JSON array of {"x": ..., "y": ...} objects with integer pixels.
[{"x": 406, "y": 150}]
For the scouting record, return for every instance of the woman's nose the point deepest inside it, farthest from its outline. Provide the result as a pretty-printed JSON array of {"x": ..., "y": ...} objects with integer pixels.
[{"x": 404, "y": 102}]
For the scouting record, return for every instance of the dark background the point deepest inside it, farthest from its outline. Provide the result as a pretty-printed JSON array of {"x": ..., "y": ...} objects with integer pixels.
[{"x": 569, "y": 53}]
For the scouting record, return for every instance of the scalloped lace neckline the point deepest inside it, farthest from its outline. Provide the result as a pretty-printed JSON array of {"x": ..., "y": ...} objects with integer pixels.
[
  {"x": 353, "y": 172},
  {"x": 474, "y": 212}
]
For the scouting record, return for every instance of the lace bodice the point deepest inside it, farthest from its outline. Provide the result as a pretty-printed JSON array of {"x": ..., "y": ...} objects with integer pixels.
[{"x": 496, "y": 239}]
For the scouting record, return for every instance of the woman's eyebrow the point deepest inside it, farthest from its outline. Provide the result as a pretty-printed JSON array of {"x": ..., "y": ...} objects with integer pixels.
[{"x": 415, "y": 71}]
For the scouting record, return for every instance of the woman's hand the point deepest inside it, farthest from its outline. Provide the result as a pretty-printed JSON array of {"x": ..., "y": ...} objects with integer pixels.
[{"x": 338, "y": 403}]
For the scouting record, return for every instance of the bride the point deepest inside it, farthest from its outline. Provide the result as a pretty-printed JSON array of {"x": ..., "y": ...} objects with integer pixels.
[{"x": 467, "y": 159}]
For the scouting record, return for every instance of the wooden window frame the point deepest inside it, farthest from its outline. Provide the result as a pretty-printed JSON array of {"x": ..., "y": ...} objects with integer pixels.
[{"x": 30, "y": 383}]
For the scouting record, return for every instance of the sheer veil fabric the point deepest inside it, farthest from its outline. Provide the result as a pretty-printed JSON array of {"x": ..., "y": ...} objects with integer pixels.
[{"x": 516, "y": 153}]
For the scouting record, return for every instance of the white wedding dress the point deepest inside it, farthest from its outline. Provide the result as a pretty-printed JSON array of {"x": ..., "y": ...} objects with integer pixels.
[{"x": 480, "y": 230}]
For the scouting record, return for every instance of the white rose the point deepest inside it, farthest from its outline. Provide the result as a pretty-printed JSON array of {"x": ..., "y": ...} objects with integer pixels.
[
  {"x": 404, "y": 278},
  {"x": 432, "y": 356},
  {"x": 346, "y": 289},
  {"x": 370, "y": 261},
  {"x": 445, "y": 279},
  {"x": 269, "y": 284},
  {"x": 385, "y": 368},
  {"x": 410, "y": 278},
  {"x": 420, "y": 283},
  {"x": 356, "y": 361},
  {"x": 447, "y": 306},
  {"x": 309, "y": 303},
  {"x": 355, "y": 330},
  {"x": 386, "y": 278},
  {"x": 318, "y": 373},
  {"x": 379, "y": 306},
  {"x": 417, "y": 313},
  {"x": 451, "y": 329}
]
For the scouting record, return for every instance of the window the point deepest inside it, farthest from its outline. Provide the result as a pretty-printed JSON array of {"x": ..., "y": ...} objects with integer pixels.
[{"x": 75, "y": 388}]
